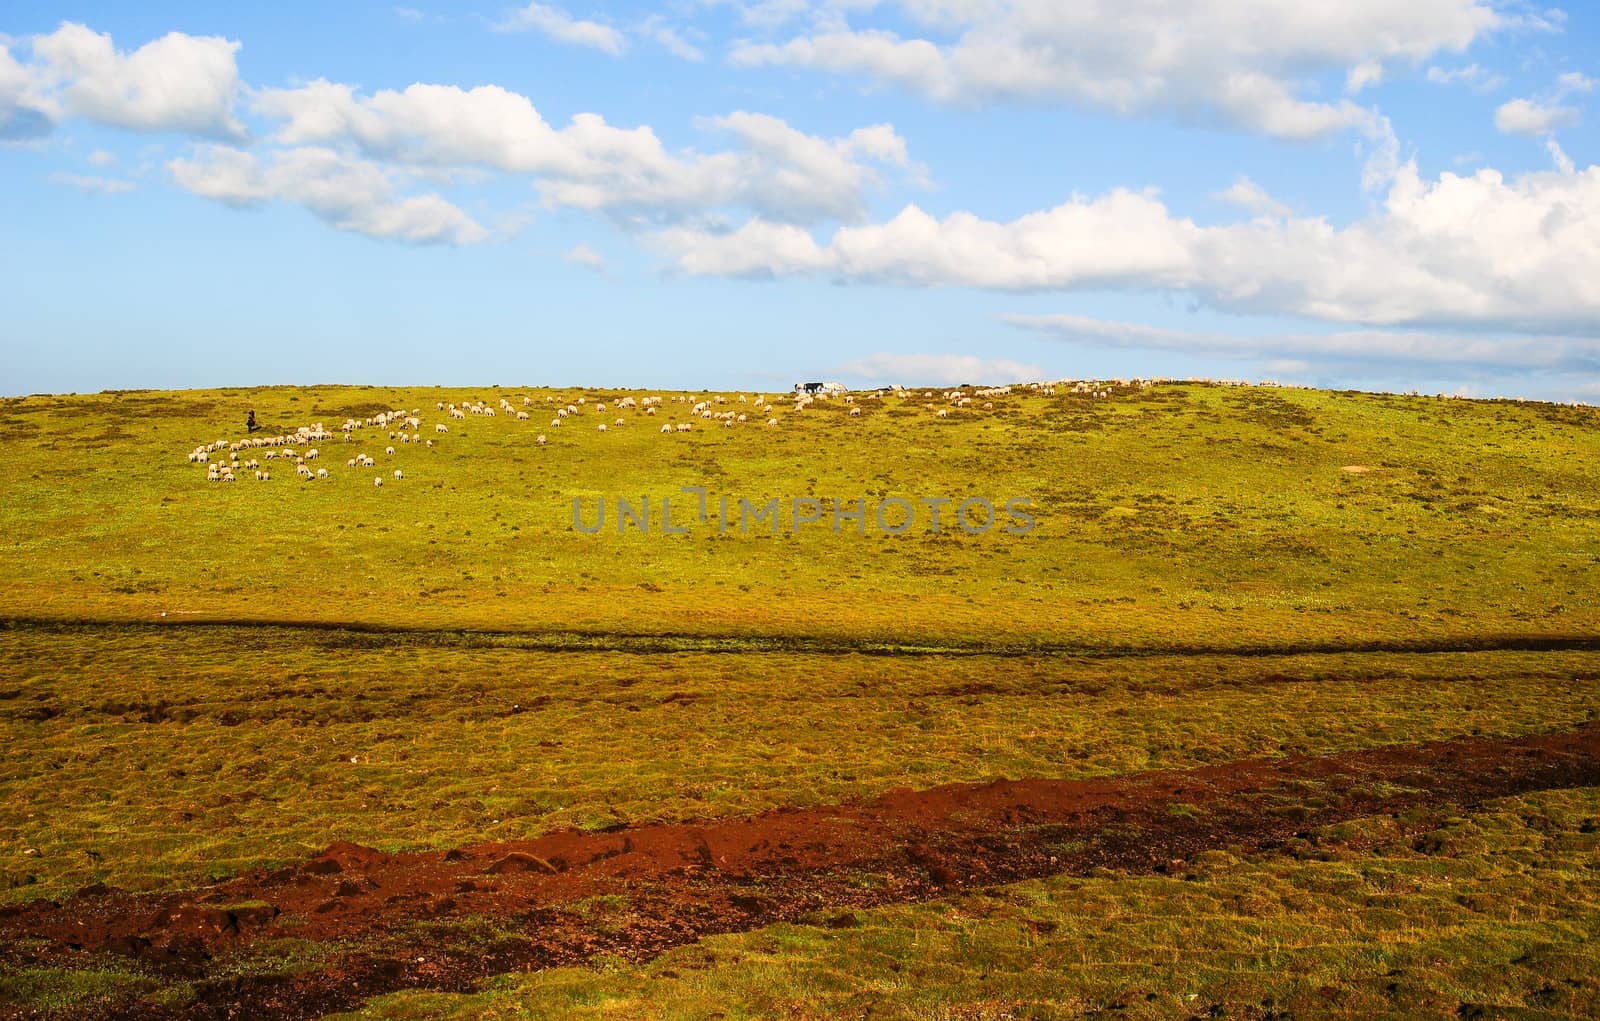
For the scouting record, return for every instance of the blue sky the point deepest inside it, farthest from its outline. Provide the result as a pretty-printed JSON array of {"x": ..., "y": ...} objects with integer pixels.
[{"x": 729, "y": 194}]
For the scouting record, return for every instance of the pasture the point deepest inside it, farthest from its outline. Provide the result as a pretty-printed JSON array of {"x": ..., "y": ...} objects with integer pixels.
[{"x": 321, "y": 745}]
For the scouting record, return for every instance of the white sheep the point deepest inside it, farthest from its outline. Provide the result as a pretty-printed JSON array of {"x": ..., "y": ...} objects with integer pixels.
[
  {"x": 683, "y": 427},
  {"x": 854, "y": 412},
  {"x": 378, "y": 482},
  {"x": 440, "y": 427},
  {"x": 398, "y": 475},
  {"x": 772, "y": 421},
  {"x": 555, "y": 421},
  {"x": 322, "y": 473},
  {"x": 602, "y": 427},
  {"x": 540, "y": 440},
  {"x": 620, "y": 421},
  {"x": 388, "y": 450},
  {"x": 667, "y": 427}
]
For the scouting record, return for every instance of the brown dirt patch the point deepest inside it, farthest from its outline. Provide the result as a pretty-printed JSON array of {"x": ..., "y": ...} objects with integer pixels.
[{"x": 684, "y": 881}]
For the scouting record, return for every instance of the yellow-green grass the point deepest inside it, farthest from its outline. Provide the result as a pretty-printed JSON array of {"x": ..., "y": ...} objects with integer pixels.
[
  {"x": 1206, "y": 582},
  {"x": 1489, "y": 916},
  {"x": 1176, "y": 515},
  {"x": 152, "y": 757}
]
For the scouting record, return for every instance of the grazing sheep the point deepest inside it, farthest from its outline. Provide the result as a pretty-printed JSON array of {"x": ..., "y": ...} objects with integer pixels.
[
  {"x": 322, "y": 473},
  {"x": 683, "y": 427},
  {"x": 740, "y": 418},
  {"x": 942, "y": 412},
  {"x": 667, "y": 427},
  {"x": 440, "y": 427},
  {"x": 350, "y": 463},
  {"x": 522, "y": 416},
  {"x": 555, "y": 421},
  {"x": 266, "y": 476},
  {"x": 378, "y": 482},
  {"x": 650, "y": 411},
  {"x": 602, "y": 427},
  {"x": 398, "y": 475},
  {"x": 772, "y": 421},
  {"x": 388, "y": 450},
  {"x": 540, "y": 440},
  {"x": 619, "y": 421},
  {"x": 854, "y": 412}
]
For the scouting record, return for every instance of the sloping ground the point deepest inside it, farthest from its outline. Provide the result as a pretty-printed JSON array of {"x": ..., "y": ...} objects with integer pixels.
[{"x": 407, "y": 920}]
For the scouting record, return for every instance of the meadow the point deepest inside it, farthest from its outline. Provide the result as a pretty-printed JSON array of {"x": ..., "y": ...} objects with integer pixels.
[{"x": 202, "y": 679}]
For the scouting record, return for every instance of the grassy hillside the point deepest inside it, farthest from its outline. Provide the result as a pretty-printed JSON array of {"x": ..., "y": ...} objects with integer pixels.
[
  {"x": 1178, "y": 515},
  {"x": 1214, "y": 574}
]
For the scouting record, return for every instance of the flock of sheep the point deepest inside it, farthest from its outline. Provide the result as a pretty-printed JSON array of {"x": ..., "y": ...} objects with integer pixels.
[{"x": 227, "y": 460}]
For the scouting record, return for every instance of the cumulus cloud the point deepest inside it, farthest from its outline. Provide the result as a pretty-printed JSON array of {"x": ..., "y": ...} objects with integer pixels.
[
  {"x": 1243, "y": 62},
  {"x": 92, "y": 185},
  {"x": 939, "y": 369},
  {"x": 1248, "y": 195},
  {"x": 781, "y": 173},
  {"x": 671, "y": 39},
  {"x": 1477, "y": 78},
  {"x": 176, "y": 83},
  {"x": 1419, "y": 348},
  {"x": 346, "y": 193},
  {"x": 583, "y": 255},
  {"x": 562, "y": 27},
  {"x": 23, "y": 111},
  {"x": 1543, "y": 116},
  {"x": 1530, "y": 117},
  {"x": 1476, "y": 249}
]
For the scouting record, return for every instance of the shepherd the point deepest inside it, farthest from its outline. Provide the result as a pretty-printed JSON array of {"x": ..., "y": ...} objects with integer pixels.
[{"x": 250, "y": 423}]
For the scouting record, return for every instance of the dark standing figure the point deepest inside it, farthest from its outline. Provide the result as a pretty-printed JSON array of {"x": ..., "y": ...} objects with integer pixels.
[{"x": 250, "y": 423}]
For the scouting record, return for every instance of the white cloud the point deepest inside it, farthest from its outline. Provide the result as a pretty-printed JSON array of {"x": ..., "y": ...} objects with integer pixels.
[
  {"x": 671, "y": 39},
  {"x": 1364, "y": 74},
  {"x": 92, "y": 185},
  {"x": 24, "y": 113},
  {"x": 101, "y": 158},
  {"x": 563, "y": 27},
  {"x": 583, "y": 255},
  {"x": 1574, "y": 81},
  {"x": 1370, "y": 347},
  {"x": 1248, "y": 195},
  {"x": 1245, "y": 62},
  {"x": 781, "y": 173},
  {"x": 348, "y": 194},
  {"x": 1530, "y": 117},
  {"x": 939, "y": 369},
  {"x": 1473, "y": 249},
  {"x": 176, "y": 83},
  {"x": 1477, "y": 78}
]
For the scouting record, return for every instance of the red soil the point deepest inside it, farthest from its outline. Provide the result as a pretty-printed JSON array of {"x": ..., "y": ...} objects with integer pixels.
[{"x": 684, "y": 881}]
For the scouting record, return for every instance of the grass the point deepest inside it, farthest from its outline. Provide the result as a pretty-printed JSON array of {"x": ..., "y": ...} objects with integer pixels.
[
  {"x": 1492, "y": 916},
  {"x": 1181, "y": 514},
  {"x": 1207, "y": 581}
]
